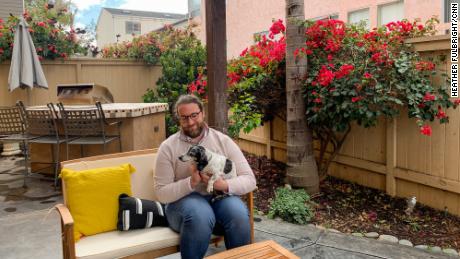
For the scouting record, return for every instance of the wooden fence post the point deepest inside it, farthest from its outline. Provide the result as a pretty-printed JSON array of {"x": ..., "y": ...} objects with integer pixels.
[
  {"x": 78, "y": 73},
  {"x": 268, "y": 139},
  {"x": 391, "y": 156}
]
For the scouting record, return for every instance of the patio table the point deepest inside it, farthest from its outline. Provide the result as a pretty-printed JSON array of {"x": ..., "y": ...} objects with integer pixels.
[
  {"x": 143, "y": 127},
  {"x": 264, "y": 249}
]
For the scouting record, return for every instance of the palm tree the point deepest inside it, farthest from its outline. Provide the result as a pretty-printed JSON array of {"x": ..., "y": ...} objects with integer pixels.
[{"x": 301, "y": 165}]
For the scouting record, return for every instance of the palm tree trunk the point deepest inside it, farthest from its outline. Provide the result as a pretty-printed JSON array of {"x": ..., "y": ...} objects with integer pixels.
[{"x": 301, "y": 165}]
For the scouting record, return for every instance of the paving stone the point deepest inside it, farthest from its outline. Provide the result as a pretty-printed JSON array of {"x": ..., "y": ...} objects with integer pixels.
[
  {"x": 357, "y": 234},
  {"x": 371, "y": 247},
  {"x": 423, "y": 247},
  {"x": 285, "y": 229},
  {"x": 450, "y": 251},
  {"x": 320, "y": 227},
  {"x": 435, "y": 249},
  {"x": 372, "y": 235},
  {"x": 388, "y": 238},
  {"x": 319, "y": 252},
  {"x": 405, "y": 242}
]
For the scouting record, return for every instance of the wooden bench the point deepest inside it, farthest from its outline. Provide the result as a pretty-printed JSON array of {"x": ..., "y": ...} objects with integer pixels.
[{"x": 143, "y": 243}]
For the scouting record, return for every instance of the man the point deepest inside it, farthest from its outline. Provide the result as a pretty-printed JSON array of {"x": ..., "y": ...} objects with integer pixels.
[{"x": 182, "y": 187}]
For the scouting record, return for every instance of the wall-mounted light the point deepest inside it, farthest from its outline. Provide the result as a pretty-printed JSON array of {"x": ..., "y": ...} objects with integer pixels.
[{"x": 51, "y": 4}]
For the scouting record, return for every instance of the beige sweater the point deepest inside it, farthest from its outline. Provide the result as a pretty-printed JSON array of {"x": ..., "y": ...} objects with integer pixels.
[{"x": 172, "y": 177}]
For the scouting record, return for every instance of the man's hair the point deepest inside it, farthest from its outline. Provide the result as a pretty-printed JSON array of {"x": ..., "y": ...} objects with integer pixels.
[{"x": 186, "y": 99}]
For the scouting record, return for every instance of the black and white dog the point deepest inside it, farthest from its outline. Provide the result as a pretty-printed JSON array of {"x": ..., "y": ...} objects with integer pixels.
[{"x": 210, "y": 163}]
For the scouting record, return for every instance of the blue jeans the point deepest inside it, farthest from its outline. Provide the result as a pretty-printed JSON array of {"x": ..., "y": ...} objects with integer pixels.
[{"x": 195, "y": 217}]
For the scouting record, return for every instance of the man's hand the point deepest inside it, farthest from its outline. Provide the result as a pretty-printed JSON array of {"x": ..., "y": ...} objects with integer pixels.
[
  {"x": 221, "y": 185},
  {"x": 195, "y": 176},
  {"x": 205, "y": 178}
]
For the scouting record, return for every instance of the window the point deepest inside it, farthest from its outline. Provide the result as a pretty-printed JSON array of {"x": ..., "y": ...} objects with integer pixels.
[
  {"x": 194, "y": 7},
  {"x": 325, "y": 18},
  {"x": 390, "y": 13},
  {"x": 359, "y": 16},
  {"x": 133, "y": 27}
]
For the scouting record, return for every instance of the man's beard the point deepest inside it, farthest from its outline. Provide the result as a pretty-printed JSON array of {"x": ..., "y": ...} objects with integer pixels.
[{"x": 193, "y": 133}]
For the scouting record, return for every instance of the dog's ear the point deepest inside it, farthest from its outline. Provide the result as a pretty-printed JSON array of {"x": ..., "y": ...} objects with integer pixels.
[{"x": 201, "y": 159}]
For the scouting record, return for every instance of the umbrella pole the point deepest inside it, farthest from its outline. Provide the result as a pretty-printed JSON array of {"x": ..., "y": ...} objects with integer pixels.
[{"x": 28, "y": 102}]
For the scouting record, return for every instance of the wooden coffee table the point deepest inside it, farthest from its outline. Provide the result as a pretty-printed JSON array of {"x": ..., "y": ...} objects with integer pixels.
[{"x": 264, "y": 249}]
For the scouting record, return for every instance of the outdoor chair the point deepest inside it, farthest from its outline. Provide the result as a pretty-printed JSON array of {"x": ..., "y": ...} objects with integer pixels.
[
  {"x": 13, "y": 129},
  {"x": 140, "y": 243},
  {"x": 42, "y": 127},
  {"x": 88, "y": 126}
]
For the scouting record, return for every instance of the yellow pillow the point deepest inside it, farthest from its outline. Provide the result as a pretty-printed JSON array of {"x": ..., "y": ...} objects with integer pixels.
[{"x": 92, "y": 197}]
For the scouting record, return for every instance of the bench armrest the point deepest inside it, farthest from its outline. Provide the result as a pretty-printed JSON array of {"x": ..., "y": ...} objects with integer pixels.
[
  {"x": 250, "y": 200},
  {"x": 68, "y": 242}
]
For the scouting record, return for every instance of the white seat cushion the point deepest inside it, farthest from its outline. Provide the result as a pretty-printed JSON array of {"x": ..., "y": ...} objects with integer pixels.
[{"x": 117, "y": 244}]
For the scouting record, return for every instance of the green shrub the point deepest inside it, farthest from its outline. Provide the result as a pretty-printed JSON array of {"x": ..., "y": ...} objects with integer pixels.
[
  {"x": 182, "y": 60},
  {"x": 291, "y": 205}
]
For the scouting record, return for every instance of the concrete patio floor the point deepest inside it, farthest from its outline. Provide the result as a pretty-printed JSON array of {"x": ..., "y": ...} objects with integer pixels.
[{"x": 29, "y": 229}]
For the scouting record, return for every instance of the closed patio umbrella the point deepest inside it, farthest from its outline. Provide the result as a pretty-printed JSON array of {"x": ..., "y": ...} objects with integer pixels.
[{"x": 25, "y": 70}]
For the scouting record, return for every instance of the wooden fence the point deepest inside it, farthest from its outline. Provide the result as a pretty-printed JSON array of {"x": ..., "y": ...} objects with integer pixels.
[
  {"x": 393, "y": 156},
  {"x": 126, "y": 80}
]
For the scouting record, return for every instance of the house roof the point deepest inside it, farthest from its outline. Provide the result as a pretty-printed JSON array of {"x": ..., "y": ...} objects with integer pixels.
[{"x": 145, "y": 13}]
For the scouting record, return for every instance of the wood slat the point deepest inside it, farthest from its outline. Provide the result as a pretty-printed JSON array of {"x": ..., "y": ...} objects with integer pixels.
[
  {"x": 264, "y": 249},
  {"x": 429, "y": 180}
]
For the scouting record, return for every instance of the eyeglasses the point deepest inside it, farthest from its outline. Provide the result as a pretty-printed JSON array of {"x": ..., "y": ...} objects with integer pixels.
[{"x": 193, "y": 116}]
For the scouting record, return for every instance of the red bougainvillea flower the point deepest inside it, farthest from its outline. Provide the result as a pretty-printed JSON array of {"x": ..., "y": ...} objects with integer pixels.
[
  {"x": 429, "y": 97},
  {"x": 367, "y": 75},
  {"x": 276, "y": 28},
  {"x": 344, "y": 70},
  {"x": 441, "y": 114},
  {"x": 41, "y": 24},
  {"x": 426, "y": 130},
  {"x": 372, "y": 216},
  {"x": 325, "y": 76},
  {"x": 317, "y": 100},
  {"x": 192, "y": 87},
  {"x": 244, "y": 52},
  {"x": 234, "y": 78},
  {"x": 198, "y": 87},
  {"x": 356, "y": 99},
  {"x": 425, "y": 65}
]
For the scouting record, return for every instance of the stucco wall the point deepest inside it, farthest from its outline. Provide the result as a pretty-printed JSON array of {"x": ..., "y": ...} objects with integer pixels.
[
  {"x": 246, "y": 17},
  {"x": 104, "y": 29},
  {"x": 10, "y": 6},
  {"x": 110, "y": 25}
]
